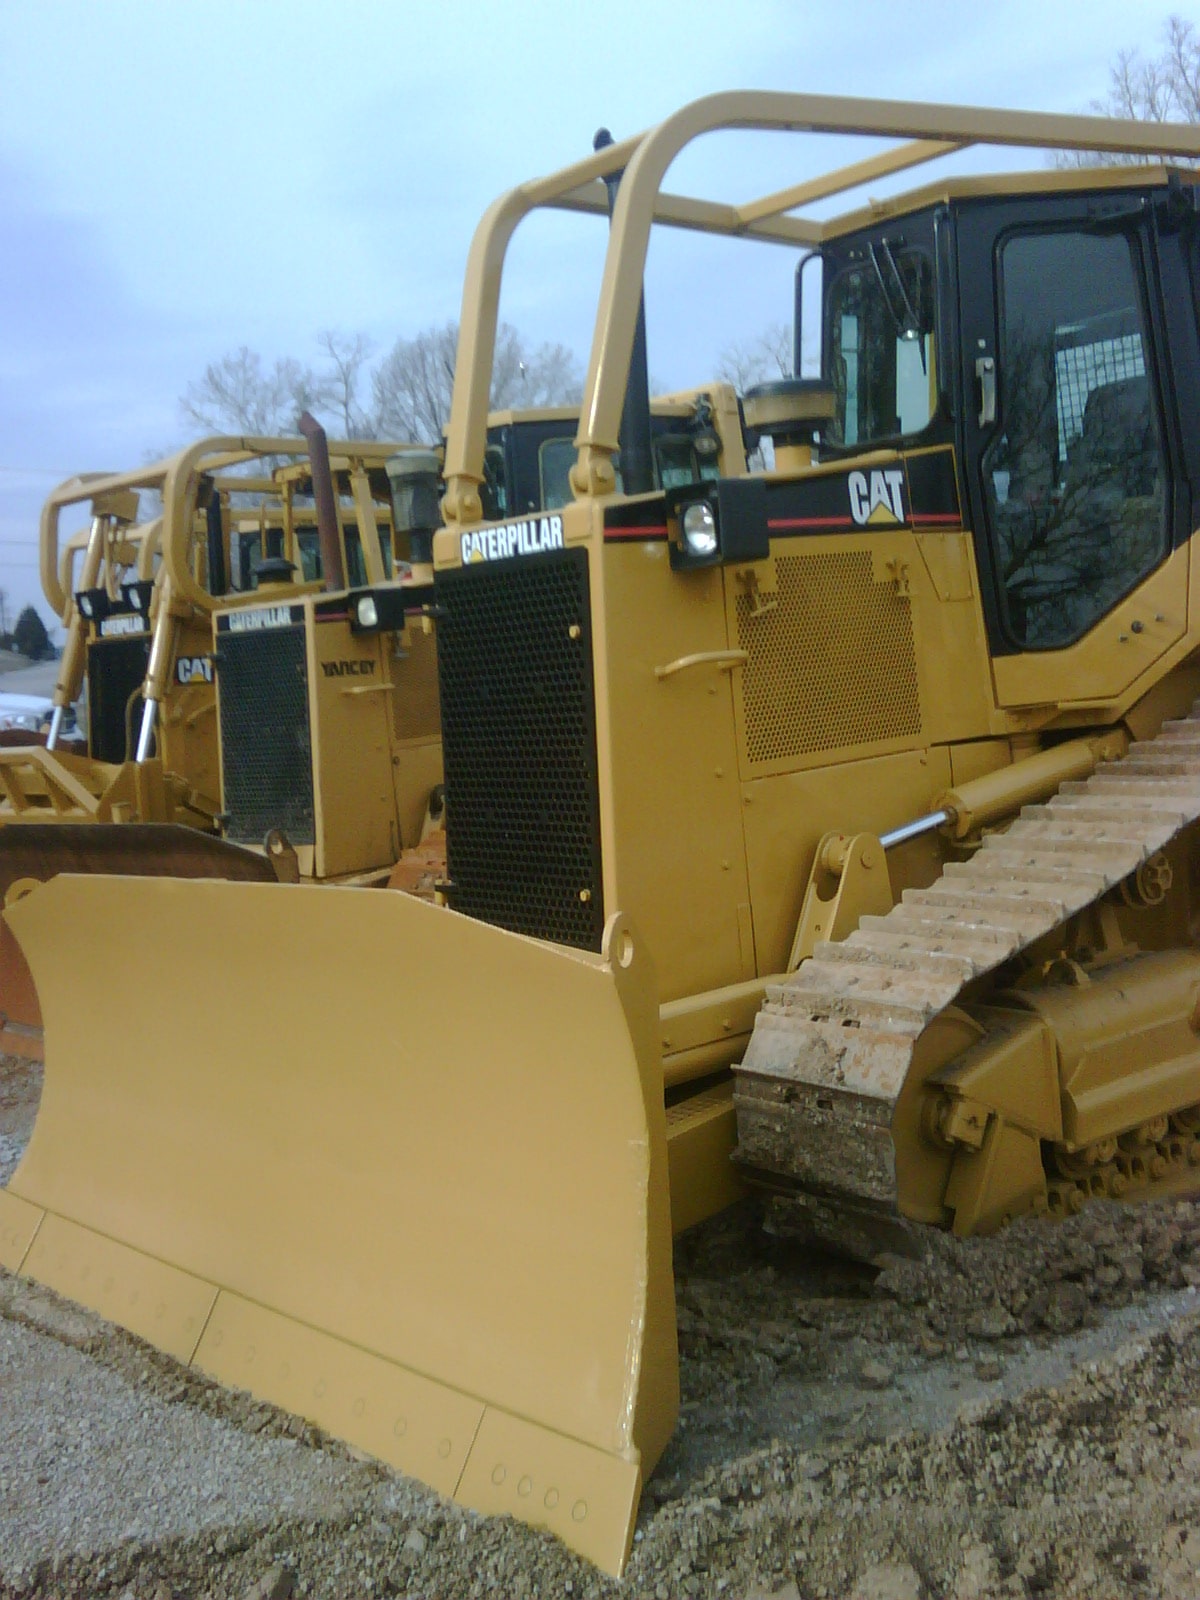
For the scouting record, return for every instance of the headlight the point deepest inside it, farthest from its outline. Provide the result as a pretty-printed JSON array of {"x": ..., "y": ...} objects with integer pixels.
[
  {"x": 367, "y": 612},
  {"x": 719, "y": 520},
  {"x": 699, "y": 529}
]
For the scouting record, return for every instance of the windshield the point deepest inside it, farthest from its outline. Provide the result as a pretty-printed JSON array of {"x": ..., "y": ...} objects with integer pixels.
[{"x": 879, "y": 339}]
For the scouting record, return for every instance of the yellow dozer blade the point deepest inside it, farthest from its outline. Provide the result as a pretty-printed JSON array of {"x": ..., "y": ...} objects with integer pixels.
[{"x": 377, "y": 1163}]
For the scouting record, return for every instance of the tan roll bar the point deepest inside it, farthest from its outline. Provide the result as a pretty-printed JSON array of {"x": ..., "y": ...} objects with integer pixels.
[
  {"x": 104, "y": 493},
  {"x": 217, "y": 454},
  {"x": 180, "y": 587},
  {"x": 112, "y": 499},
  {"x": 929, "y": 132}
]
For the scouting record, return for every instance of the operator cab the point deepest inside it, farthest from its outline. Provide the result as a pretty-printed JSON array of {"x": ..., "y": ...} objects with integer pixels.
[{"x": 1042, "y": 338}]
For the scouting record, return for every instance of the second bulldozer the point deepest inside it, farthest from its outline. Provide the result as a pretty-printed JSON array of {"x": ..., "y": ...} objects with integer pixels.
[
  {"x": 829, "y": 829},
  {"x": 235, "y": 530}
]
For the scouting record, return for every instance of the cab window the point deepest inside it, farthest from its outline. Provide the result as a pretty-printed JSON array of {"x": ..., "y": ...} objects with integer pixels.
[
  {"x": 880, "y": 347},
  {"x": 1074, "y": 477},
  {"x": 356, "y": 566},
  {"x": 308, "y": 554},
  {"x": 677, "y": 461},
  {"x": 556, "y": 457},
  {"x": 494, "y": 489}
]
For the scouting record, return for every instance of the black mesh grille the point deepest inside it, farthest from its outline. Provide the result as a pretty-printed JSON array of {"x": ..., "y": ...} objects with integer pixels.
[
  {"x": 116, "y": 670},
  {"x": 266, "y": 751},
  {"x": 519, "y": 742}
]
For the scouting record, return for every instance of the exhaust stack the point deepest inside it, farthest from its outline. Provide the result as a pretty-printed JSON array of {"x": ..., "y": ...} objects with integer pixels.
[{"x": 333, "y": 567}]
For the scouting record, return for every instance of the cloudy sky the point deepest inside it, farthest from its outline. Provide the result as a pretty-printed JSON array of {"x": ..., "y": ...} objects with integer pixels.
[{"x": 182, "y": 177}]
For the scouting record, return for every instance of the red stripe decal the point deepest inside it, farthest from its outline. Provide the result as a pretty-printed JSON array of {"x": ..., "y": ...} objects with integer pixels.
[
  {"x": 810, "y": 522},
  {"x": 656, "y": 530},
  {"x": 947, "y": 517}
]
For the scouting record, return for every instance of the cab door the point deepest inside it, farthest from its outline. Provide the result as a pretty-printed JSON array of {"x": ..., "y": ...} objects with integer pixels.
[{"x": 1070, "y": 444}]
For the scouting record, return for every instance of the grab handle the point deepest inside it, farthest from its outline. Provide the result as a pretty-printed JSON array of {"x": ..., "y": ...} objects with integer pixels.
[{"x": 725, "y": 659}]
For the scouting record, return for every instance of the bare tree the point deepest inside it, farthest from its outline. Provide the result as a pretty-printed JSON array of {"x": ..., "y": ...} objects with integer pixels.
[
  {"x": 552, "y": 377},
  {"x": 414, "y": 382},
  {"x": 346, "y": 355},
  {"x": 238, "y": 392},
  {"x": 547, "y": 376},
  {"x": 1165, "y": 88},
  {"x": 767, "y": 356},
  {"x": 1183, "y": 70},
  {"x": 410, "y": 388}
]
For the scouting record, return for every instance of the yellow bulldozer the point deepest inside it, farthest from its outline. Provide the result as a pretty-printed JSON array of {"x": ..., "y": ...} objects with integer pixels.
[
  {"x": 827, "y": 830},
  {"x": 138, "y": 598},
  {"x": 138, "y": 645}
]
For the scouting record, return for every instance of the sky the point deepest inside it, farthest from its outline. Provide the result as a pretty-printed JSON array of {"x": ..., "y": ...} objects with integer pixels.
[{"x": 182, "y": 177}]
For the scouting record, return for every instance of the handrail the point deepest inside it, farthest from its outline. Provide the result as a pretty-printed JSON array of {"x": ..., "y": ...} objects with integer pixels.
[{"x": 726, "y": 660}]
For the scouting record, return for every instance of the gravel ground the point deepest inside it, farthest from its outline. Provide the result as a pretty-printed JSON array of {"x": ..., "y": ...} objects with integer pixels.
[
  {"x": 20, "y": 1089},
  {"x": 1008, "y": 1417}
]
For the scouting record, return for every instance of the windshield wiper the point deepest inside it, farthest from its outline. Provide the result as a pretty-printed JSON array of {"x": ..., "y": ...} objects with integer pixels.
[{"x": 908, "y": 326}]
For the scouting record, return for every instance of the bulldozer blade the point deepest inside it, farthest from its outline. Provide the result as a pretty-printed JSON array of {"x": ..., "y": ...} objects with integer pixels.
[
  {"x": 378, "y": 1163},
  {"x": 41, "y": 850},
  {"x": 20, "y": 1014},
  {"x": 36, "y": 851}
]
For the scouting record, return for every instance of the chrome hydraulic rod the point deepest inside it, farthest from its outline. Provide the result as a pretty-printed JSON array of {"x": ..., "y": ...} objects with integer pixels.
[
  {"x": 146, "y": 731},
  {"x": 914, "y": 829}
]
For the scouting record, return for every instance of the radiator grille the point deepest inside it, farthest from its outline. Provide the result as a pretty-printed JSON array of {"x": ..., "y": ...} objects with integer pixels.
[
  {"x": 266, "y": 749},
  {"x": 832, "y": 665},
  {"x": 116, "y": 671},
  {"x": 519, "y": 745}
]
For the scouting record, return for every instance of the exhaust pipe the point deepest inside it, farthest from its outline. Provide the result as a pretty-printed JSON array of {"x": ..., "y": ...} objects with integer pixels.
[
  {"x": 329, "y": 539},
  {"x": 637, "y": 447}
]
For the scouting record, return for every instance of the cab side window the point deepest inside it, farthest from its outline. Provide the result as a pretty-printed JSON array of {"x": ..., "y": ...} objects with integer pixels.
[
  {"x": 1075, "y": 474},
  {"x": 556, "y": 457},
  {"x": 880, "y": 347}
]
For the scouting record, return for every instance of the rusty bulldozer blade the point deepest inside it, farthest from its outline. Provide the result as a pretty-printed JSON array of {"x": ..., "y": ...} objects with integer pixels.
[
  {"x": 148, "y": 849},
  {"x": 34, "y": 852},
  {"x": 421, "y": 1200}
]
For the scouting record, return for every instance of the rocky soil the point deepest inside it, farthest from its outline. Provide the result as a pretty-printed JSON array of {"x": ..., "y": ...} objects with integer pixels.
[{"x": 1007, "y": 1417}]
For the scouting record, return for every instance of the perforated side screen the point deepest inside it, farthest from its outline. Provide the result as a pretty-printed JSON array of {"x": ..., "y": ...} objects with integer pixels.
[
  {"x": 832, "y": 665},
  {"x": 266, "y": 749},
  {"x": 116, "y": 670},
  {"x": 519, "y": 744}
]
